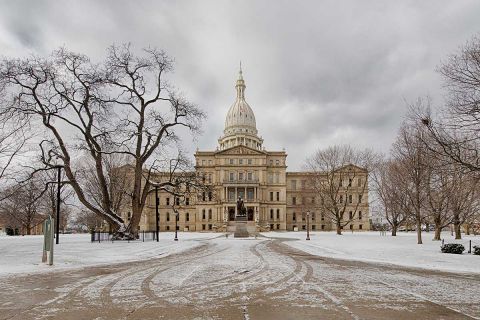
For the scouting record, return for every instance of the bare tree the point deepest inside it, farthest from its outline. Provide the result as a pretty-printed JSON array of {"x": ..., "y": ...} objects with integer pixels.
[
  {"x": 458, "y": 131},
  {"x": 22, "y": 205},
  {"x": 122, "y": 106},
  {"x": 391, "y": 197},
  {"x": 411, "y": 157},
  {"x": 340, "y": 173}
]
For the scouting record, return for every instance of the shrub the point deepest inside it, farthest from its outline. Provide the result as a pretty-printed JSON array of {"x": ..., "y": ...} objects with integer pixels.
[
  {"x": 476, "y": 250},
  {"x": 453, "y": 248}
]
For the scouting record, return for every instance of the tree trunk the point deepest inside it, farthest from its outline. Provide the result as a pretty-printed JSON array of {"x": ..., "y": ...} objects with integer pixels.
[
  {"x": 394, "y": 230},
  {"x": 29, "y": 230},
  {"x": 458, "y": 234},
  {"x": 419, "y": 232},
  {"x": 339, "y": 229},
  {"x": 467, "y": 229},
  {"x": 438, "y": 231}
]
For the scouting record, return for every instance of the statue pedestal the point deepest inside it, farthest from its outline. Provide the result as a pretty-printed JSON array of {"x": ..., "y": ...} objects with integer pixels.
[{"x": 241, "y": 228}]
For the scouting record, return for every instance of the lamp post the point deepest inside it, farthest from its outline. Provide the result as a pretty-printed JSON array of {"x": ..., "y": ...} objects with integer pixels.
[
  {"x": 308, "y": 225},
  {"x": 157, "y": 202},
  {"x": 57, "y": 224},
  {"x": 176, "y": 225}
]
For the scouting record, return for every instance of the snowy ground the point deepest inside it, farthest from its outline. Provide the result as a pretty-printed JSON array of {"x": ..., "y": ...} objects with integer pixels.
[
  {"x": 24, "y": 254},
  {"x": 401, "y": 250},
  {"x": 241, "y": 279}
]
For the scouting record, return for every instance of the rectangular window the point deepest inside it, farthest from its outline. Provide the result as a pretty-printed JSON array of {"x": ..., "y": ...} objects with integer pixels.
[
  {"x": 209, "y": 162},
  {"x": 210, "y": 196},
  {"x": 322, "y": 217},
  {"x": 168, "y": 216},
  {"x": 231, "y": 194},
  {"x": 271, "y": 214},
  {"x": 250, "y": 193},
  {"x": 168, "y": 201},
  {"x": 277, "y": 162},
  {"x": 359, "y": 198},
  {"x": 294, "y": 200},
  {"x": 240, "y": 161},
  {"x": 250, "y": 178},
  {"x": 232, "y": 176},
  {"x": 278, "y": 227},
  {"x": 314, "y": 227},
  {"x": 231, "y": 161},
  {"x": 294, "y": 216},
  {"x": 209, "y": 214},
  {"x": 249, "y": 161},
  {"x": 203, "y": 214},
  {"x": 187, "y": 201},
  {"x": 360, "y": 226},
  {"x": 271, "y": 196},
  {"x": 350, "y": 214},
  {"x": 351, "y": 227},
  {"x": 360, "y": 215},
  {"x": 293, "y": 184},
  {"x": 323, "y": 227},
  {"x": 187, "y": 216},
  {"x": 240, "y": 176},
  {"x": 203, "y": 162},
  {"x": 177, "y": 201},
  {"x": 350, "y": 199},
  {"x": 203, "y": 227},
  {"x": 203, "y": 196},
  {"x": 271, "y": 162},
  {"x": 303, "y": 184},
  {"x": 270, "y": 178},
  {"x": 313, "y": 216},
  {"x": 278, "y": 214},
  {"x": 349, "y": 182},
  {"x": 278, "y": 196},
  {"x": 209, "y": 227}
]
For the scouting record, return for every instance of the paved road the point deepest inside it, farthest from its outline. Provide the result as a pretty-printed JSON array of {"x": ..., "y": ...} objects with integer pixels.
[{"x": 241, "y": 279}]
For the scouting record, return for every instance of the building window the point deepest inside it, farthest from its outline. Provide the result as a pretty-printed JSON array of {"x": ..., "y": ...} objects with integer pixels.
[
  {"x": 351, "y": 227},
  {"x": 303, "y": 184},
  {"x": 232, "y": 176},
  {"x": 340, "y": 182},
  {"x": 271, "y": 162},
  {"x": 209, "y": 227},
  {"x": 314, "y": 227},
  {"x": 203, "y": 214},
  {"x": 278, "y": 214},
  {"x": 341, "y": 199},
  {"x": 168, "y": 228},
  {"x": 322, "y": 217},
  {"x": 278, "y": 196},
  {"x": 168, "y": 201},
  {"x": 177, "y": 201},
  {"x": 209, "y": 162},
  {"x": 270, "y": 178},
  {"x": 360, "y": 215},
  {"x": 203, "y": 227},
  {"x": 313, "y": 216},
  {"x": 187, "y": 216},
  {"x": 249, "y": 161},
  {"x": 294, "y": 216},
  {"x": 240, "y": 176},
  {"x": 168, "y": 216},
  {"x": 209, "y": 214},
  {"x": 203, "y": 196},
  {"x": 271, "y": 214},
  {"x": 249, "y": 176},
  {"x": 209, "y": 195},
  {"x": 240, "y": 161},
  {"x": 271, "y": 227},
  {"x": 360, "y": 226},
  {"x": 231, "y": 161},
  {"x": 277, "y": 177},
  {"x": 359, "y": 182},
  {"x": 350, "y": 214},
  {"x": 349, "y": 182},
  {"x": 278, "y": 227},
  {"x": 271, "y": 196},
  {"x": 294, "y": 200},
  {"x": 187, "y": 201},
  {"x": 303, "y": 227},
  {"x": 350, "y": 199},
  {"x": 277, "y": 162},
  {"x": 293, "y": 184},
  {"x": 359, "y": 198},
  {"x": 203, "y": 162},
  {"x": 323, "y": 227}
]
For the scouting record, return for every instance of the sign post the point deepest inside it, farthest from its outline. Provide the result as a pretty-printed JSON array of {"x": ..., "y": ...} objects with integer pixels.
[{"x": 48, "y": 235}]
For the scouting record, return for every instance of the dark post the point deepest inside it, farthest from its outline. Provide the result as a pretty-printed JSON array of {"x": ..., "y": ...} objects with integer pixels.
[
  {"x": 57, "y": 224},
  {"x": 470, "y": 246},
  {"x": 156, "y": 211},
  {"x": 176, "y": 226},
  {"x": 308, "y": 225}
]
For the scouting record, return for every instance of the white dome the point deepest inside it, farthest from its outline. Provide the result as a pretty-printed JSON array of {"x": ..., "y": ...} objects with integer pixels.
[{"x": 240, "y": 117}]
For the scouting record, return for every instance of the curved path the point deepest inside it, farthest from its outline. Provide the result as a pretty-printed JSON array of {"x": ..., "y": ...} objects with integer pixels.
[{"x": 241, "y": 279}]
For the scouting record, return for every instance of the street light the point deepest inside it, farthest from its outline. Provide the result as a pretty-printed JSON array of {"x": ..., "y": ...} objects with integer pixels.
[
  {"x": 57, "y": 224},
  {"x": 176, "y": 225},
  {"x": 157, "y": 202},
  {"x": 308, "y": 225}
]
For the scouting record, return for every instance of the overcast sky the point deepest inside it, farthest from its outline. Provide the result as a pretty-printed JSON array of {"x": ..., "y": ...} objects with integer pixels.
[{"x": 317, "y": 72}]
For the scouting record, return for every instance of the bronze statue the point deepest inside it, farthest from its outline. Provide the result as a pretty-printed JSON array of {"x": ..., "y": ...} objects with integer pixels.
[{"x": 241, "y": 210}]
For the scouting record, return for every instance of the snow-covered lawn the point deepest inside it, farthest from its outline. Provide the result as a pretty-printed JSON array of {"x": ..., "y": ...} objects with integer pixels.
[
  {"x": 24, "y": 254},
  {"x": 401, "y": 250}
]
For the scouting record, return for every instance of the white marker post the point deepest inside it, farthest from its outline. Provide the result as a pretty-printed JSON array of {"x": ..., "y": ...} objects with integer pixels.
[{"x": 48, "y": 235}]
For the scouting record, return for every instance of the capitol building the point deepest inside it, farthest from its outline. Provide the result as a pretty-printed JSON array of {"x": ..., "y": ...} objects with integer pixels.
[{"x": 241, "y": 167}]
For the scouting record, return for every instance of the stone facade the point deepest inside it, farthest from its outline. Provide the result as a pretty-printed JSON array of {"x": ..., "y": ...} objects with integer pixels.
[{"x": 241, "y": 168}]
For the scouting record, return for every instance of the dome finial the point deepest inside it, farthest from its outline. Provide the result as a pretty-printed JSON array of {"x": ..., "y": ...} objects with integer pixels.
[{"x": 240, "y": 84}]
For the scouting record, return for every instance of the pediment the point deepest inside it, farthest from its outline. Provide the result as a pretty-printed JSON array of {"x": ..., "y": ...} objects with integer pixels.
[{"x": 241, "y": 150}]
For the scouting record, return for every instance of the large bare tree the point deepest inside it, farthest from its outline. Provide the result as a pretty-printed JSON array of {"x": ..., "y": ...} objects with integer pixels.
[
  {"x": 120, "y": 106},
  {"x": 457, "y": 132},
  {"x": 340, "y": 180}
]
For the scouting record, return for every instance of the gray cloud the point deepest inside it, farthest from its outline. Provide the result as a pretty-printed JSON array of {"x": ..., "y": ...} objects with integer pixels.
[{"x": 317, "y": 72}]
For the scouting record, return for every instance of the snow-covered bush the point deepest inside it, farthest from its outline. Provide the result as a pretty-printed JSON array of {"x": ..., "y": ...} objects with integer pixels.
[
  {"x": 453, "y": 248},
  {"x": 476, "y": 250}
]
